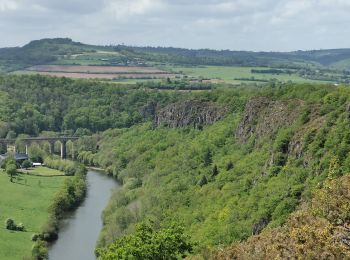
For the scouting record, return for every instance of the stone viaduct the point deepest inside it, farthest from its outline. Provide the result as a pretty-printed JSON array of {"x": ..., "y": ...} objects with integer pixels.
[{"x": 51, "y": 140}]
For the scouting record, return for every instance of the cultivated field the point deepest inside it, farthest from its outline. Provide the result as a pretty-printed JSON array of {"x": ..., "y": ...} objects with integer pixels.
[
  {"x": 97, "y": 69},
  {"x": 101, "y": 72}
]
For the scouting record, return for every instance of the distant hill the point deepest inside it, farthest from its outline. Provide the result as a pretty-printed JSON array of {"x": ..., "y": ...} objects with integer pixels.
[
  {"x": 323, "y": 58},
  {"x": 60, "y": 50}
]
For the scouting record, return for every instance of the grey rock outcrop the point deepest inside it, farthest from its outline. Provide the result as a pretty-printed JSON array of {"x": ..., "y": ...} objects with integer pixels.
[
  {"x": 263, "y": 117},
  {"x": 189, "y": 113}
]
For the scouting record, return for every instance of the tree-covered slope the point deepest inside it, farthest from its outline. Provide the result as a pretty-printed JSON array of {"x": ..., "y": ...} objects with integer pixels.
[
  {"x": 32, "y": 104},
  {"x": 225, "y": 164},
  {"x": 39, "y": 52},
  {"x": 226, "y": 181},
  {"x": 319, "y": 231}
]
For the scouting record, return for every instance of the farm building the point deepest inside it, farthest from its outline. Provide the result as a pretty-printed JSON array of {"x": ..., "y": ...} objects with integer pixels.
[{"x": 19, "y": 157}]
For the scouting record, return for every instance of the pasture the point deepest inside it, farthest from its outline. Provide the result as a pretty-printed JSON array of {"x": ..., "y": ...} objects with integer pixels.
[
  {"x": 43, "y": 171},
  {"x": 25, "y": 201},
  {"x": 234, "y": 75}
]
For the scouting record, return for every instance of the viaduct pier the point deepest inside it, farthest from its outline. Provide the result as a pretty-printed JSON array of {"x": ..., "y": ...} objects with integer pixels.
[{"x": 50, "y": 140}]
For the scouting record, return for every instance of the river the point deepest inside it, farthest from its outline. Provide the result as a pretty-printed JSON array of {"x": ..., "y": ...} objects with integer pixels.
[{"x": 79, "y": 231}]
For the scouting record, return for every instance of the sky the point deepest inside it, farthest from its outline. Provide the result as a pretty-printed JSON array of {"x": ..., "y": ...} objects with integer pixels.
[{"x": 257, "y": 25}]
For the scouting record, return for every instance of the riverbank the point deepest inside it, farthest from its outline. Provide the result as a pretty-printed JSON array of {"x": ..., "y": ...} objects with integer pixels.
[
  {"x": 67, "y": 199},
  {"x": 26, "y": 201},
  {"x": 79, "y": 232}
]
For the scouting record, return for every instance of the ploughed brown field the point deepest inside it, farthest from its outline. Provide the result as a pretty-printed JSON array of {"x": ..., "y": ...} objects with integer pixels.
[{"x": 100, "y": 72}]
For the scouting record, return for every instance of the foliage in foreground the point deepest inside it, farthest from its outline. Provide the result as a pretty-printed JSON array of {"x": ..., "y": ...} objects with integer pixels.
[
  {"x": 146, "y": 243},
  {"x": 320, "y": 232}
]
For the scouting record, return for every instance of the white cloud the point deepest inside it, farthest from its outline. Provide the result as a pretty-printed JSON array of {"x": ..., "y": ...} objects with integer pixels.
[
  {"x": 125, "y": 9},
  {"x": 222, "y": 24},
  {"x": 8, "y": 5}
]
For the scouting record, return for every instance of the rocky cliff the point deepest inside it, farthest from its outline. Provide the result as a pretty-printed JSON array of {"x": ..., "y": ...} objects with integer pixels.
[
  {"x": 189, "y": 113},
  {"x": 263, "y": 117}
]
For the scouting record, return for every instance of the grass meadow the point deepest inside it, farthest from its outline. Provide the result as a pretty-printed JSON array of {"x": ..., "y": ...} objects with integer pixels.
[
  {"x": 230, "y": 74},
  {"x": 25, "y": 201}
]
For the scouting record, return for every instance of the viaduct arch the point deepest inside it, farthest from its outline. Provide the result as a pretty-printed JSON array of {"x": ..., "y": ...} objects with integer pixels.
[{"x": 51, "y": 140}]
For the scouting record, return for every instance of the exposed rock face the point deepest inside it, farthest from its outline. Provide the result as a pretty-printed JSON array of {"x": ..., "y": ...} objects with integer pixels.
[
  {"x": 297, "y": 143},
  {"x": 149, "y": 110},
  {"x": 348, "y": 108},
  {"x": 263, "y": 117},
  {"x": 189, "y": 113},
  {"x": 259, "y": 226}
]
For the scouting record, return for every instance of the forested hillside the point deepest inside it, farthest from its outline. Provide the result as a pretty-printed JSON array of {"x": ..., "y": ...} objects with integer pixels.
[
  {"x": 319, "y": 231},
  {"x": 231, "y": 178},
  {"x": 226, "y": 164},
  {"x": 32, "y": 104}
]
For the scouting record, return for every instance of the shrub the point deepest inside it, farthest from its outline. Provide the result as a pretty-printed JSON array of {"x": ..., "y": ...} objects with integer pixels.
[
  {"x": 35, "y": 237},
  {"x": 10, "y": 224},
  {"x": 20, "y": 227},
  {"x": 40, "y": 251},
  {"x": 26, "y": 164}
]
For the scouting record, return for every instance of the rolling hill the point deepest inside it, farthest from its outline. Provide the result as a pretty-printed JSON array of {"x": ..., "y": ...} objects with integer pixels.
[{"x": 53, "y": 51}]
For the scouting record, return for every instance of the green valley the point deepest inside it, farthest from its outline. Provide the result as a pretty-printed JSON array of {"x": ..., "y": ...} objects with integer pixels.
[{"x": 211, "y": 161}]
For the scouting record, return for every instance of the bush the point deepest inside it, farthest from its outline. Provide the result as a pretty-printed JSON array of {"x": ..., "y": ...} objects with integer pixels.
[
  {"x": 11, "y": 225},
  {"x": 6, "y": 161},
  {"x": 20, "y": 227},
  {"x": 50, "y": 230},
  {"x": 26, "y": 164},
  {"x": 35, "y": 237},
  {"x": 40, "y": 251}
]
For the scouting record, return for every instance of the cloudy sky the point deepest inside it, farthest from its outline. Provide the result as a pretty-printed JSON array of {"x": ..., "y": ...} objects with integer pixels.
[{"x": 266, "y": 25}]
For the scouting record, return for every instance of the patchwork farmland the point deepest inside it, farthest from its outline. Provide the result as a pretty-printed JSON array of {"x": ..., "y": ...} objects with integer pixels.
[{"x": 101, "y": 72}]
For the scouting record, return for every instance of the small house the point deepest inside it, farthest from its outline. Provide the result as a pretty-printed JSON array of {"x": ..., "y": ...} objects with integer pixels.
[{"x": 20, "y": 157}]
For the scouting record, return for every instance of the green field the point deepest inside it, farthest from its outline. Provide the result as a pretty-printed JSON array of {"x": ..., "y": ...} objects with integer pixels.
[
  {"x": 230, "y": 74},
  {"x": 44, "y": 171},
  {"x": 25, "y": 201}
]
